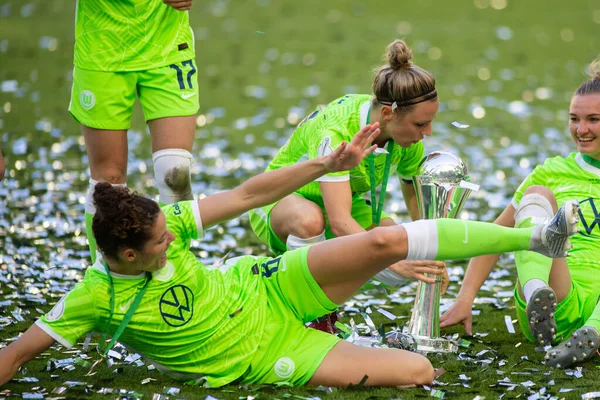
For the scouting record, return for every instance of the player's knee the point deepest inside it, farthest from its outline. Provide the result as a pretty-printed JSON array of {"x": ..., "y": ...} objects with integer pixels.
[
  {"x": 172, "y": 175},
  {"x": 382, "y": 238},
  {"x": 112, "y": 175},
  {"x": 541, "y": 190},
  {"x": 307, "y": 224},
  {"x": 537, "y": 203},
  {"x": 423, "y": 372}
]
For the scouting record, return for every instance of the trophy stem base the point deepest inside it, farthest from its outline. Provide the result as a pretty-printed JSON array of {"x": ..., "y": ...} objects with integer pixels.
[{"x": 434, "y": 345}]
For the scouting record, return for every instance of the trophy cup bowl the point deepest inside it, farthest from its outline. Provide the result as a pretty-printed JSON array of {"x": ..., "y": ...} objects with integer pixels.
[{"x": 442, "y": 189}]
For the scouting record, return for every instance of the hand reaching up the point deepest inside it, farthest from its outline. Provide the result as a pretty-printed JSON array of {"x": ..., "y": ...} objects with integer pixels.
[{"x": 349, "y": 155}]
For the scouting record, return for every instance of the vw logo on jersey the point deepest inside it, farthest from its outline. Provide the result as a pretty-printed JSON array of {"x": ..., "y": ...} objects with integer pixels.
[
  {"x": 588, "y": 206},
  {"x": 165, "y": 273},
  {"x": 87, "y": 99},
  {"x": 177, "y": 305}
]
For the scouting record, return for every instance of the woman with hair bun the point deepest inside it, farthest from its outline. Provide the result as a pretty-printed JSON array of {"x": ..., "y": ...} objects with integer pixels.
[
  {"x": 243, "y": 322},
  {"x": 557, "y": 300},
  {"x": 404, "y": 102}
]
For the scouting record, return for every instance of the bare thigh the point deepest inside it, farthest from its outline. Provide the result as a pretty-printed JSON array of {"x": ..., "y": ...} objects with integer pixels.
[
  {"x": 107, "y": 153},
  {"x": 348, "y": 364},
  {"x": 173, "y": 133},
  {"x": 295, "y": 215}
]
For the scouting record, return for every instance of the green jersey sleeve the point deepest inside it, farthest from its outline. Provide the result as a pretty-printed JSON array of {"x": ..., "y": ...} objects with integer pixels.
[
  {"x": 322, "y": 144},
  {"x": 183, "y": 220},
  {"x": 72, "y": 317},
  {"x": 411, "y": 158}
]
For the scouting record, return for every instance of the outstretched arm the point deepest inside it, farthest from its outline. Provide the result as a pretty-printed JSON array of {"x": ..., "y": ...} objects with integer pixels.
[
  {"x": 33, "y": 342},
  {"x": 477, "y": 272},
  {"x": 271, "y": 186}
]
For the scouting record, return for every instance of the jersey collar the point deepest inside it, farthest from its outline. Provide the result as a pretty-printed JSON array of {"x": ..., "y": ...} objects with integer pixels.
[
  {"x": 588, "y": 164},
  {"x": 99, "y": 266}
]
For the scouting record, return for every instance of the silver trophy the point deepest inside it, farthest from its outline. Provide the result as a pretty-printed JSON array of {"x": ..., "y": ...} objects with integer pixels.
[{"x": 442, "y": 189}]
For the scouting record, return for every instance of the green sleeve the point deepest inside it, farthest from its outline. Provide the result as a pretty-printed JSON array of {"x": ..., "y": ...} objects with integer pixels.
[
  {"x": 72, "y": 317},
  {"x": 410, "y": 159},
  {"x": 323, "y": 143}
]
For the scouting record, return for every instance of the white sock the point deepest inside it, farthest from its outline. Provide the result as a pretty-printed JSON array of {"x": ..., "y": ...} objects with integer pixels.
[
  {"x": 531, "y": 286},
  {"x": 422, "y": 237},
  {"x": 172, "y": 175},
  {"x": 90, "y": 208},
  {"x": 534, "y": 206},
  {"x": 294, "y": 242}
]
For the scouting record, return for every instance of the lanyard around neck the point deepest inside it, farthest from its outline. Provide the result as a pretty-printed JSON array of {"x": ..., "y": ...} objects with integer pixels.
[
  {"x": 591, "y": 161},
  {"x": 377, "y": 206},
  {"x": 128, "y": 315}
]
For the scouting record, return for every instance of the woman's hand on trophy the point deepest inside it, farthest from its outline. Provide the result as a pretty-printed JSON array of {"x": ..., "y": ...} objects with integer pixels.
[
  {"x": 459, "y": 313},
  {"x": 418, "y": 269}
]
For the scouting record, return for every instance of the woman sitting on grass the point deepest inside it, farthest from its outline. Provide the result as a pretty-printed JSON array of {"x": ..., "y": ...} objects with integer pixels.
[
  {"x": 244, "y": 322},
  {"x": 557, "y": 300}
]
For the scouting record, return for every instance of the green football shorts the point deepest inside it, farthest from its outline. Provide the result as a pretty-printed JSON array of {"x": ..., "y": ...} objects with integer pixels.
[
  {"x": 570, "y": 314},
  {"x": 289, "y": 351},
  {"x": 260, "y": 220},
  {"x": 105, "y": 99}
]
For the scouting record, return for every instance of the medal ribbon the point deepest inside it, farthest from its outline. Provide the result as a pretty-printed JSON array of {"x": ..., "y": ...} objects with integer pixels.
[
  {"x": 128, "y": 315},
  {"x": 377, "y": 206}
]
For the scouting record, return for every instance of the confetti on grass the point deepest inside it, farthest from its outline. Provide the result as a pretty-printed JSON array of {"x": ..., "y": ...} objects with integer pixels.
[{"x": 509, "y": 324}]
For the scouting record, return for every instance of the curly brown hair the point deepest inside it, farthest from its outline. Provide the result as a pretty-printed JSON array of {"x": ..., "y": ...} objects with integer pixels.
[{"x": 123, "y": 219}]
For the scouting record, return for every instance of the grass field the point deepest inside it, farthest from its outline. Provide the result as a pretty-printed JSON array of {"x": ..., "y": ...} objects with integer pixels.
[{"x": 505, "y": 67}]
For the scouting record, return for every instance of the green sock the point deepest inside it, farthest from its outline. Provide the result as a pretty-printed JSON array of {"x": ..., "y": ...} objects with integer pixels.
[
  {"x": 531, "y": 265},
  {"x": 464, "y": 239},
  {"x": 90, "y": 235},
  {"x": 594, "y": 319}
]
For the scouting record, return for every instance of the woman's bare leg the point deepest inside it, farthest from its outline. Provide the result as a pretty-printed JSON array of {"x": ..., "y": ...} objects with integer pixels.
[{"x": 348, "y": 364}]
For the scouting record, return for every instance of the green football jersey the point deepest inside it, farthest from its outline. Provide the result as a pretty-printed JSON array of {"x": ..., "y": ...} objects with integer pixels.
[
  {"x": 196, "y": 324},
  {"x": 572, "y": 178},
  {"x": 325, "y": 129},
  {"x": 130, "y": 35}
]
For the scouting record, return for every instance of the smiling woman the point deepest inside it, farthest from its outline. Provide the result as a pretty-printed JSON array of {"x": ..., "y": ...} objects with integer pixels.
[{"x": 555, "y": 298}]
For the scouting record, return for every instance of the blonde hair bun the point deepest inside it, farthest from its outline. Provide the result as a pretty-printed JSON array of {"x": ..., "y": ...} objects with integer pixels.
[{"x": 399, "y": 55}]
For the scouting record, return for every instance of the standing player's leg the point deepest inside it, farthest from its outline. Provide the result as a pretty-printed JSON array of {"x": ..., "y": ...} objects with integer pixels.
[
  {"x": 542, "y": 282},
  {"x": 107, "y": 155},
  {"x": 169, "y": 97},
  {"x": 102, "y": 102}
]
